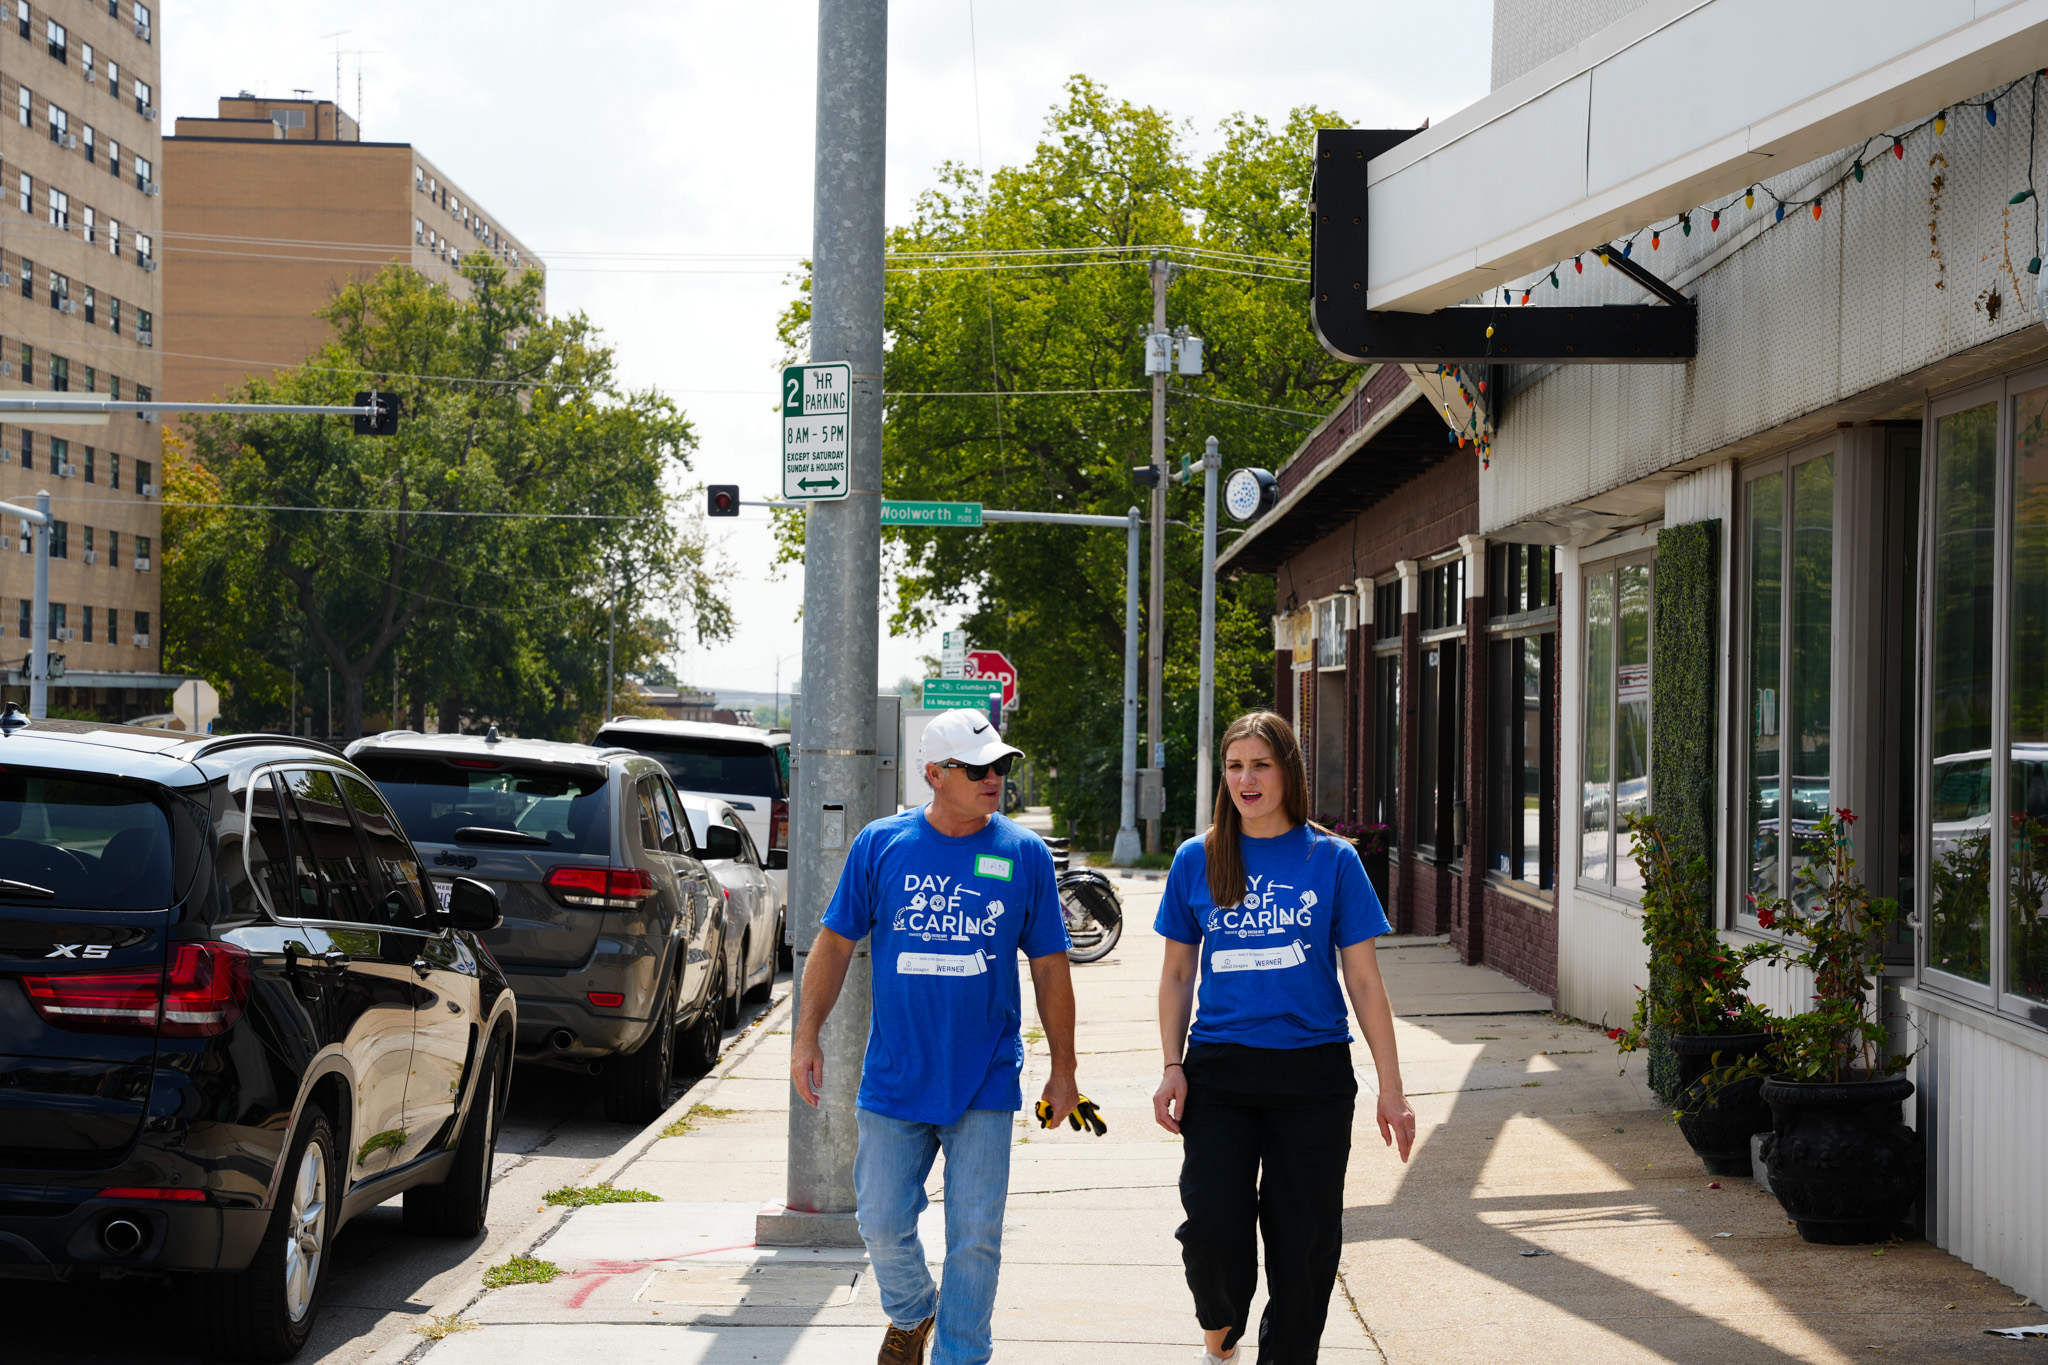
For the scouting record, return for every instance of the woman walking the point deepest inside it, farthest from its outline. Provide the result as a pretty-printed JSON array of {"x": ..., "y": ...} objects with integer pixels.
[{"x": 1270, "y": 909}]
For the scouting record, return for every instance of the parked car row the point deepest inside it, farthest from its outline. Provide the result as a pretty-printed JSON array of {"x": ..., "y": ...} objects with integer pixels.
[{"x": 251, "y": 987}]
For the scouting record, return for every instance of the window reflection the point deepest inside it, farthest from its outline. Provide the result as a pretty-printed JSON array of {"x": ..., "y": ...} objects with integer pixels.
[
  {"x": 2026, "y": 969},
  {"x": 1766, "y": 560},
  {"x": 1960, "y": 612},
  {"x": 1632, "y": 716},
  {"x": 1596, "y": 825},
  {"x": 1811, "y": 640}
]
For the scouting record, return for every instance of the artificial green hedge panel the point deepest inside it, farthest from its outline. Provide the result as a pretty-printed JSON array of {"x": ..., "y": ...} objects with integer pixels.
[{"x": 1686, "y": 635}]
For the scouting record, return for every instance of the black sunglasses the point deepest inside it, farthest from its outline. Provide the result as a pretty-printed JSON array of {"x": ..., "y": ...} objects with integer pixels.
[{"x": 977, "y": 771}]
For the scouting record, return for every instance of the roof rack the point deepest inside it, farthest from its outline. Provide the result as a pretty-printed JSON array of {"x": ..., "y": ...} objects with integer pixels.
[{"x": 220, "y": 742}]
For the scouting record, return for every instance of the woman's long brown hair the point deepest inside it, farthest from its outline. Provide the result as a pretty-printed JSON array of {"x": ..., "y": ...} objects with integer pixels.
[{"x": 1220, "y": 847}]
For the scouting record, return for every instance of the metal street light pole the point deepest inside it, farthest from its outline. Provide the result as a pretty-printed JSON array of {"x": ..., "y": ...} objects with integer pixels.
[
  {"x": 39, "y": 607},
  {"x": 835, "y": 736},
  {"x": 1126, "y": 852},
  {"x": 1205, "y": 716},
  {"x": 1155, "y": 691}
]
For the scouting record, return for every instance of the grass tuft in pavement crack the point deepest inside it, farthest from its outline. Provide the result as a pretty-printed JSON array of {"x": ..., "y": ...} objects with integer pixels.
[
  {"x": 520, "y": 1270},
  {"x": 678, "y": 1127},
  {"x": 577, "y": 1196},
  {"x": 433, "y": 1329}
]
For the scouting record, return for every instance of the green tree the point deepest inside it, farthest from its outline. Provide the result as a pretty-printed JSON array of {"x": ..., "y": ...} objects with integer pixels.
[
  {"x": 1068, "y": 312},
  {"x": 435, "y": 594}
]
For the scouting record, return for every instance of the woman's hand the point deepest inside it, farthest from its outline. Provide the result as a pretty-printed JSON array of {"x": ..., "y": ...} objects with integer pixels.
[
  {"x": 1170, "y": 1100},
  {"x": 1397, "y": 1122}
]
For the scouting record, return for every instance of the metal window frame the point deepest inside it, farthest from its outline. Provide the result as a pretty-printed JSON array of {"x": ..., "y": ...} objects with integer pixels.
[{"x": 1610, "y": 566}]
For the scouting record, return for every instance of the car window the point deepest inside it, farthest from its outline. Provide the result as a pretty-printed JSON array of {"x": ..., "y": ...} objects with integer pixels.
[
  {"x": 269, "y": 852},
  {"x": 323, "y": 816},
  {"x": 89, "y": 845},
  {"x": 686, "y": 832},
  {"x": 647, "y": 792},
  {"x": 435, "y": 797},
  {"x": 396, "y": 867},
  {"x": 782, "y": 766},
  {"x": 729, "y": 767},
  {"x": 747, "y": 854}
]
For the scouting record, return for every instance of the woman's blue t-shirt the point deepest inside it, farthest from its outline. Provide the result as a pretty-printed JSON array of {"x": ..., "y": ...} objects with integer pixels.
[{"x": 1269, "y": 963}]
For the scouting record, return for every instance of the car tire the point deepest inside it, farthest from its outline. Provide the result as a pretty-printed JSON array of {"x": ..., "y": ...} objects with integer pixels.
[
  {"x": 637, "y": 1084},
  {"x": 731, "y": 988},
  {"x": 785, "y": 951},
  {"x": 758, "y": 995},
  {"x": 460, "y": 1205},
  {"x": 265, "y": 1312}
]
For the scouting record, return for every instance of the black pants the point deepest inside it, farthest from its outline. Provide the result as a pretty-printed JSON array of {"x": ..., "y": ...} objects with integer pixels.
[{"x": 1267, "y": 1136}]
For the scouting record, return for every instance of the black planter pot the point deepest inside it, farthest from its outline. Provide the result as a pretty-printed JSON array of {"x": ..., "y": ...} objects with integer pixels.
[
  {"x": 1376, "y": 873},
  {"x": 1841, "y": 1161},
  {"x": 1719, "y": 1127}
]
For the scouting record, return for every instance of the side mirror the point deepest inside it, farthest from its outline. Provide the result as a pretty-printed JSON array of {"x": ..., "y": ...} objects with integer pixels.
[
  {"x": 778, "y": 859},
  {"x": 721, "y": 842},
  {"x": 473, "y": 905}
]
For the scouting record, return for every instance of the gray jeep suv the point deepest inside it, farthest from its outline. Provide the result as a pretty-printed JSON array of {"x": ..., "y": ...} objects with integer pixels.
[{"x": 614, "y": 933}]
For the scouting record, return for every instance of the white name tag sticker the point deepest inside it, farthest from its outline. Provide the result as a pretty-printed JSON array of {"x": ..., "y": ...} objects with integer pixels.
[
  {"x": 987, "y": 865},
  {"x": 941, "y": 964},
  {"x": 1273, "y": 959}
]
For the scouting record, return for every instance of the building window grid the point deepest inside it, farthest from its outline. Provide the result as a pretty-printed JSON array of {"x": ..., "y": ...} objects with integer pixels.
[{"x": 1615, "y": 737}]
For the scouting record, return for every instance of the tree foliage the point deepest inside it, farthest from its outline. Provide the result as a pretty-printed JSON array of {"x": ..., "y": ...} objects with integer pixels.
[
  {"x": 505, "y": 410},
  {"x": 1107, "y": 177}
]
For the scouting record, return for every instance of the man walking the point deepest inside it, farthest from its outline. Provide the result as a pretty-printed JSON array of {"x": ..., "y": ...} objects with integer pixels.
[{"x": 950, "y": 893}]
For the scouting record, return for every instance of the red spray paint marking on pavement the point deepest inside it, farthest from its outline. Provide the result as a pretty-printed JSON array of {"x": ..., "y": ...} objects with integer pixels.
[{"x": 605, "y": 1271}]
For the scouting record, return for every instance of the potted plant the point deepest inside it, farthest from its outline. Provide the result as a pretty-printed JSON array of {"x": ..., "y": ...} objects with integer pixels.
[
  {"x": 1371, "y": 842},
  {"x": 1842, "y": 1162},
  {"x": 1698, "y": 1000}
]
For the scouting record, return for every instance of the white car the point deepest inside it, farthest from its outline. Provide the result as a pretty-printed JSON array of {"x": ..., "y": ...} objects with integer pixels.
[
  {"x": 743, "y": 765},
  {"x": 754, "y": 907}
]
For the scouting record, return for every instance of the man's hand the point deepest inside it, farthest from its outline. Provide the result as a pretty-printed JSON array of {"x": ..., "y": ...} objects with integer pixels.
[
  {"x": 1062, "y": 1092},
  {"x": 807, "y": 1067},
  {"x": 1170, "y": 1100},
  {"x": 1397, "y": 1122}
]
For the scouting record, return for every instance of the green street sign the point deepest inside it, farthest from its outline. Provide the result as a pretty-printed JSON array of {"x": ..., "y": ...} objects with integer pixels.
[
  {"x": 817, "y": 432},
  {"x": 966, "y": 514},
  {"x": 943, "y": 694}
]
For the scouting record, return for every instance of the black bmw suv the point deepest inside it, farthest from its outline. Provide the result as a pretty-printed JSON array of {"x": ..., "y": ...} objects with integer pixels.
[{"x": 234, "y": 1013}]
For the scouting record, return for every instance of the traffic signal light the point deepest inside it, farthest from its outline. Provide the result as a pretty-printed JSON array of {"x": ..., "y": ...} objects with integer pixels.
[
  {"x": 1145, "y": 475},
  {"x": 385, "y": 423},
  {"x": 723, "y": 499}
]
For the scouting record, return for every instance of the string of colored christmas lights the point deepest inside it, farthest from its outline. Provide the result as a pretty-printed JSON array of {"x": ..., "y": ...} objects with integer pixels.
[{"x": 1855, "y": 172}]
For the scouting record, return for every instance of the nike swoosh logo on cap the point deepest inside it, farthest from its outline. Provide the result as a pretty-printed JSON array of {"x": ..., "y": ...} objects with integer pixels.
[{"x": 981, "y": 729}]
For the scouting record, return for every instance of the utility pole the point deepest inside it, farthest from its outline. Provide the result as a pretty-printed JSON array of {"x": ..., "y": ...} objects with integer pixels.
[
  {"x": 611, "y": 602},
  {"x": 1155, "y": 614},
  {"x": 39, "y": 662},
  {"x": 834, "y": 743},
  {"x": 1205, "y": 715},
  {"x": 1125, "y": 854}
]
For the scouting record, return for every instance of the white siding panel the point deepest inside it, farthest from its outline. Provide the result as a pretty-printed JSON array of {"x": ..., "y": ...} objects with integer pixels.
[
  {"x": 1601, "y": 958},
  {"x": 1984, "y": 1110}
]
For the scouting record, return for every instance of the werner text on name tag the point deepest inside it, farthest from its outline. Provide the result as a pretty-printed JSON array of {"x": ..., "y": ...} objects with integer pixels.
[
  {"x": 941, "y": 964},
  {"x": 1258, "y": 959}
]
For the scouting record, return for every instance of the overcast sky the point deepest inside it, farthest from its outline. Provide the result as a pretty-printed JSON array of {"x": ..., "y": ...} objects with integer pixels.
[{"x": 604, "y": 134}]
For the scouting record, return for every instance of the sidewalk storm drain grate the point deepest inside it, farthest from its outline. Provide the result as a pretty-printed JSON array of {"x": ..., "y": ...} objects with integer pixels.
[{"x": 754, "y": 1286}]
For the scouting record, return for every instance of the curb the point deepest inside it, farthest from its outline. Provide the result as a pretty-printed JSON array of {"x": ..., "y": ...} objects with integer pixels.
[{"x": 409, "y": 1344}]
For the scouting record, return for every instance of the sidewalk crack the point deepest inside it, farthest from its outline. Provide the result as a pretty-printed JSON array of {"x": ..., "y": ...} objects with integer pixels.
[{"x": 1358, "y": 1316}]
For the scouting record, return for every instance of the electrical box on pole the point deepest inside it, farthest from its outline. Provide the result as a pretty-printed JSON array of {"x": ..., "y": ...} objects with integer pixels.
[{"x": 385, "y": 422}]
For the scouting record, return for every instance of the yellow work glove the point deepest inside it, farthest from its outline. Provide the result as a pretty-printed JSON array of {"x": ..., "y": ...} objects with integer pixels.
[{"x": 1085, "y": 1115}]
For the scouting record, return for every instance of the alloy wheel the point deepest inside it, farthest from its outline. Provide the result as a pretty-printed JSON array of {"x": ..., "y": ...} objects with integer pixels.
[{"x": 306, "y": 1234}]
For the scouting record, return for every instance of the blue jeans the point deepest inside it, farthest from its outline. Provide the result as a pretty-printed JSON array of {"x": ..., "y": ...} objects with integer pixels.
[{"x": 888, "y": 1180}]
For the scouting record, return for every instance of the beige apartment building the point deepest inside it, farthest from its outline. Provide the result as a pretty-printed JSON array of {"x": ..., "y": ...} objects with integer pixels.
[
  {"x": 80, "y": 222},
  {"x": 270, "y": 208}
]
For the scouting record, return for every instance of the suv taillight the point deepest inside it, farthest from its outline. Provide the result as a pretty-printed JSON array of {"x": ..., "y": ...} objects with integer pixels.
[
  {"x": 201, "y": 994},
  {"x": 619, "y": 888},
  {"x": 778, "y": 824}
]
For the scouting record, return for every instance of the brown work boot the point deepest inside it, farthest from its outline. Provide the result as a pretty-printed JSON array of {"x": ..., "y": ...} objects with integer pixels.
[{"x": 905, "y": 1346}]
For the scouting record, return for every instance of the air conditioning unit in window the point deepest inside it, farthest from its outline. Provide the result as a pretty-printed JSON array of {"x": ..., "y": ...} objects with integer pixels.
[
  {"x": 68, "y": 141},
  {"x": 5, "y": 279},
  {"x": 149, "y": 262},
  {"x": 141, "y": 641},
  {"x": 66, "y": 306},
  {"x": 92, "y": 556},
  {"x": 62, "y": 633},
  {"x": 146, "y": 338},
  {"x": 6, "y": 369},
  {"x": 149, "y": 490},
  {"x": 142, "y": 30},
  {"x": 142, "y": 566},
  {"x": 149, "y": 113},
  {"x": 67, "y": 471},
  {"x": 151, "y": 187}
]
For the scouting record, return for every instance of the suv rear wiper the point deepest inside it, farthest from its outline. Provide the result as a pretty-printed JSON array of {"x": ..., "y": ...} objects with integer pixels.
[
  {"x": 483, "y": 834},
  {"x": 10, "y": 887}
]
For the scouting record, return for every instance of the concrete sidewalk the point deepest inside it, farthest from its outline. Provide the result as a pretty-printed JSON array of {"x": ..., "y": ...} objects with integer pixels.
[{"x": 1530, "y": 1143}]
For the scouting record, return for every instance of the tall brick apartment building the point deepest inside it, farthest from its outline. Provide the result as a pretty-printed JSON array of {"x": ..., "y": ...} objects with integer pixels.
[
  {"x": 80, "y": 222},
  {"x": 274, "y": 204},
  {"x": 1419, "y": 665}
]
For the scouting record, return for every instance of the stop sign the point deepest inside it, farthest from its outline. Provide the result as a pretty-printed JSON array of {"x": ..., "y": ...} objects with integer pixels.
[{"x": 990, "y": 663}]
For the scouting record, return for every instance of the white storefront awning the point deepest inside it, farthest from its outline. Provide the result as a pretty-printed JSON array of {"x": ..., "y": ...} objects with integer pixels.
[{"x": 1679, "y": 102}]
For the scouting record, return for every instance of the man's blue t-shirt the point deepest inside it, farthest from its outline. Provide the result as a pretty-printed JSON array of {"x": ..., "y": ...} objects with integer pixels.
[
  {"x": 1269, "y": 964},
  {"x": 948, "y": 917}
]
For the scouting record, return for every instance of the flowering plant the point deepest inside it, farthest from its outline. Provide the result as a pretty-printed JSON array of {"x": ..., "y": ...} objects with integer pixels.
[
  {"x": 1698, "y": 984},
  {"x": 1842, "y": 926},
  {"x": 1370, "y": 839}
]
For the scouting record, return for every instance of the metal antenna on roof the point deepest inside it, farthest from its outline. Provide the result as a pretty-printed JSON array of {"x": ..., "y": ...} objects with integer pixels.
[{"x": 491, "y": 735}]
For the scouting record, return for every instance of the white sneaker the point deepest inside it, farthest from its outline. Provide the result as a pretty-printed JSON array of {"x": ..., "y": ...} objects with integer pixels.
[{"x": 1209, "y": 1359}]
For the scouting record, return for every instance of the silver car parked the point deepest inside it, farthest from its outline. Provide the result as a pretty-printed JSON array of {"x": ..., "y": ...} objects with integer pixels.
[{"x": 754, "y": 907}]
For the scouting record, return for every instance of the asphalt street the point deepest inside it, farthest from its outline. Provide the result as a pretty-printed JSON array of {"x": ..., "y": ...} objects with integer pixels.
[{"x": 382, "y": 1281}]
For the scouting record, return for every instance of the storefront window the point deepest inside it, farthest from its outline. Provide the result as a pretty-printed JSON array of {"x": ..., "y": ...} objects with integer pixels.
[
  {"x": 1790, "y": 549},
  {"x": 1616, "y": 763},
  {"x": 1961, "y": 619},
  {"x": 1386, "y": 744},
  {"x": 2026, "y": 954},
  {"x": 1523, "y": 814}
]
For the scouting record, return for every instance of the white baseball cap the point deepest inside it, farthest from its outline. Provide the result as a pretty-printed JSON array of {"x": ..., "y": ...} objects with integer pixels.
[{"x": 963, "y": 735}]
